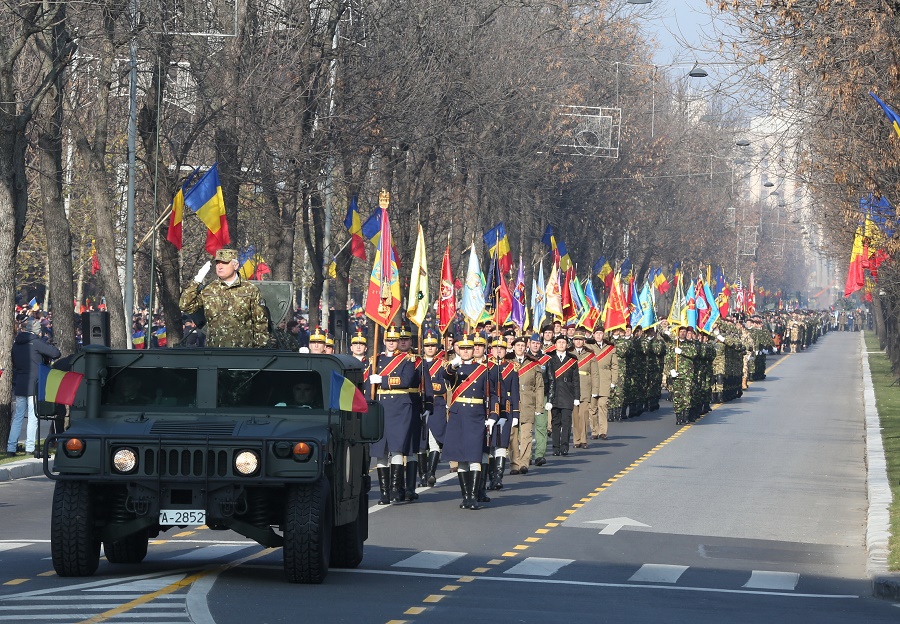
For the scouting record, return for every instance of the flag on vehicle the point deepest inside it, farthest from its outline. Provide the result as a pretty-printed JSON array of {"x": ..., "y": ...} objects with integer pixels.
[{"x": 345, "y": 395}]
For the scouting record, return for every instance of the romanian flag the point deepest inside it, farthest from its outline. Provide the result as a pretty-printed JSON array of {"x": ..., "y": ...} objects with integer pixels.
[
  {"x": 95, "y": 260},
  {"x": 660, "y": 281},
  {"x": 383, "y": 297},
  {"x": 891, "y": 115},
  {"x": 33, "y": 304},
  {"x": 345, "y": 396},
  {"x": 371, "y": 231},
  {"x": 174, "y": 234},
  {"x": 353, "y": 225},
  {"x": 604, "y": 273},
  {"x": 856, "y": 271},
  {"x": 137, "y": 339},
  {"x": 247, "y": 262},
  {"x": 161, "y": 339},
  {"x": 56, "y": 386},
  {"x": 565, "y": 292},
  {"x": 498, "y": 246},
  {"x": 206, "y": 200},
  {"x": 560, "y": 254}
]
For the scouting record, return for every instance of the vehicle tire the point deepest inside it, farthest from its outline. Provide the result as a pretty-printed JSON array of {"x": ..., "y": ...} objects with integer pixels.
[
  {"x": 307, "y": 532},
  {"x": 74, "y": 541},
  {"x": 347, "y": 541},
  {"x": 130, "y": 549}
]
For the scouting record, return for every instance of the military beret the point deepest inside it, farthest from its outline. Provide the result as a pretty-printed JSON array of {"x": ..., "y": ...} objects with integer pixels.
[
  {"x": 559, "y": 337},
  {"x": 226, "y": 255},
  {"x": 536, "y": 337},
  {"x": 517, "y": 340}
]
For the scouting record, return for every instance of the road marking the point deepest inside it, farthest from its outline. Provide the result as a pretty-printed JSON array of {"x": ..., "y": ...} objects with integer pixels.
[
  {"x": 140, "y": 586},
  {"x": 213, "y": 551},
  {"x": 13, "y": 545},
  {"x": 447, "y": 477},
  {"x": 762, "y": 579},
  {"x": 658, "y": 573},
  {"x": 17, "y": 581},
  {"x": 429, "y": 560},
  {"x": 614, "y": 524},
  {"x": 538, "y": 566}
]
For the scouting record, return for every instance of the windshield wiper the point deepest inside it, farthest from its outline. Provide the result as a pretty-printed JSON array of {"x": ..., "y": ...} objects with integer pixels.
[
  {"x": 122, "y": 368},
  {"x": 257, "y": 372}
]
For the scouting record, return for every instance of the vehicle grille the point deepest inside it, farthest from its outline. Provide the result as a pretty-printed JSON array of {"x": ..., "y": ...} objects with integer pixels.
[
  {"x": 184, "y": 462},
  {"x": 192, "y": 427}
]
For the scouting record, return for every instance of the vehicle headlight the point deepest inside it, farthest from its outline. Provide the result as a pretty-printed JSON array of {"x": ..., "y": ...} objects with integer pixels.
[
  {"x": 124, "y": 460},
  {"x": 246, "y": 462}
]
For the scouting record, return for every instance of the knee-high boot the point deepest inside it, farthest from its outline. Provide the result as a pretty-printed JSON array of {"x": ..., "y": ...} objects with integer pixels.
[
  {"x": 422, "y": 459},
  {"x": 499, "y": 469},
  {"x": 384, "y": 484},
  {"x": 490, "y": 477},
  {"x": 412, "y": 471},
  {"x": 464, "y": 488},
  {"x": 434, "y": 458},
  {"x": 474, "y": 483},
  {"x": 481, "y": 491},
  {"x": 397, "y": 493}
]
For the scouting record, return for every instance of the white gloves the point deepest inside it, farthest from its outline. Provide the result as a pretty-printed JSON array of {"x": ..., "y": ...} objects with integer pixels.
[
  {"x": 548, "y": 406},
  {"x": 720, "y": 338},
  {"x": 716, "y": 331},
  {"x": 576, "y": 402},
  {"x": 538, "y": 413},
  {"x": 502, "y": 422},
  {"x": 673, "y": 373},
  {"x": 426, "y": 413},
  {"x": 611, "y": 386},
  {"x": 202, "y": 272},
  {"x": 375, "y": 379},
  {"x": 456, "y": 362},
  {"x": 677, "y": 350},
  {"x": 489, "y": 423},
  {"x": 515, "y": 422}
]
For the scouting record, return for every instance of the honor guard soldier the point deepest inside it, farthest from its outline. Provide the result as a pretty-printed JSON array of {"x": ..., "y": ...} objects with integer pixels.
[
  {"x": 404, "y": 345},
  {"x": 607, "y": 373},
  {"x": 469, "y": 418},
  {"x": 329, "y": 344},
  {"x": 234, "y": 314},
  {"x": 317, "y": 342},
  {"x": 358, "y": 346},
  {"x": 506, "y": 378},
  {"x": 480, "y": 343},
  {"x": 435, "y": 402},
  {"x": 529, "y": 361},
  {"x": 562, "y": 378},
  {"x": 395, "y": 378},
  {"x": 590, "y": 380}
]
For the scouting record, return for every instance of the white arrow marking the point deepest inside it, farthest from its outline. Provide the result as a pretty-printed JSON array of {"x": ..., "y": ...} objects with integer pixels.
[{"x": 614, "y": 524}]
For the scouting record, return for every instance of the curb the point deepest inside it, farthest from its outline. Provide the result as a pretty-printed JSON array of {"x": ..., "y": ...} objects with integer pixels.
[
  {"x": 878, "y": 532},
  {"x": 20, "y": 469}
]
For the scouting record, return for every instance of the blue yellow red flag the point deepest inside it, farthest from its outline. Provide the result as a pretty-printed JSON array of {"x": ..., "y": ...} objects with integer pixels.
[
  {"x": 352, "y": 223},
  {"x": 891, "y": 115},
  {"x": 206, "y": 200},
  {"x": 498, "y": 246}
]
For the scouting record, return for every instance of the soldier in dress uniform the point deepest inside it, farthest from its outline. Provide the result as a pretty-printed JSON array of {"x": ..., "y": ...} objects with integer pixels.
[
  {"x": 562, "y": 379},
  {"x": 470, "y": 418},
  {"x": 480, "y": 343},
  {"x": 529, "y": 362},
  {"x": 358, "y": 346},
  {"x": 435, "y": 402},
  {"x": 395, "y": 377},
  {"x": 506, "y": 378},
  {"x": 329, "y": 344},
  {"x": 547, "y": 344},
  {"x": 607, "y": 373},
  {"x": 317, "y": 341},
  {"x": 404, "y": 345},
  {"x": 234, "y": 313},
  {"x": 589, "y": 383}
]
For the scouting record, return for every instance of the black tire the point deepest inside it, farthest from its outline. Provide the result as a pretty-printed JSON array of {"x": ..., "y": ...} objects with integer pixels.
[
  {"x": 347, "y": 541},
  {"x": 307, "y": 532},
  {"x": 74, "y": 541},
  {"x": 130, "y": 549}
]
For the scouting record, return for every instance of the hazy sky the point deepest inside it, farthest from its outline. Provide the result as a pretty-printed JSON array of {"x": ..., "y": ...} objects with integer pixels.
[{"x": 677, "y": 23}]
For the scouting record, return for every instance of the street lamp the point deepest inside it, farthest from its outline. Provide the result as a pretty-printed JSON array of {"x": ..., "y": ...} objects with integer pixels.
[
  {"x": 742, "y": 143},
  {"x": 697, "y": 72}
]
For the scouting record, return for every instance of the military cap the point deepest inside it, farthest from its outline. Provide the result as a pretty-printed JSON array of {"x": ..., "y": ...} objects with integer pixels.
[
  {"x": 559, "y": 337},
  {"x": 499, "y": 342},
  {"x": 466, "y": 340},
  {"x": 579, "y": 335},
  {"x": 226, "y": 255},
  {"x": 479, "y": 339},
  {"x": 358, "y": 338},
  {"x": 404, "y": 332},
  {"x": 317, "y": 336},
  {"x": 536, "y": 337},
  {"x": 329, "y": 340},
  {"x": 392, "y": 333},
  {"x": 430, "y": 338},
  {"x": 570, "y": 326},
  {"x": 519, "y": 339},
  {"x": 546, "y": 328}
]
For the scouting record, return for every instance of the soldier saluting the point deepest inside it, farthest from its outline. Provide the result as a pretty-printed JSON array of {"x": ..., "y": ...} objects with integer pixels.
[{"x": 234, "y": 314}]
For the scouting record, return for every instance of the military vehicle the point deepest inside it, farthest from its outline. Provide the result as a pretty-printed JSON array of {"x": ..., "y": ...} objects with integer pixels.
[{"x": 241, "y": 439}]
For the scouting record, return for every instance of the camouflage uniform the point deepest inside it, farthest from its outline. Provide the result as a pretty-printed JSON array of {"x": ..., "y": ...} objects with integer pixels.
[
  {"x": 656, "y": 350},
  {"x": 616, "y": 405},
  {"x": 234, "y": 315},
  {"x": 683, "y": 383}
]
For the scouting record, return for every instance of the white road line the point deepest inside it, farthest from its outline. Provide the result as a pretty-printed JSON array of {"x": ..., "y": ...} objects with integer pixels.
[
  {"x": 208, "y": 553},
  {"x": 76, "y": 617},
  {"x": 141, "y": 585},
  {"x": 85, "y": 586},
  {"x": 95, "y": 605},
  {"x": 34, "y": 541},
  {"x": 762, "y": 579},
  {"x": 429, "y": 560},
  {"x": 446, "y": 477},
  {"x": 118, "y": 597},
  {"x": 538, "y": 566},
  {"x": 658, "y": 573},
  {"x": 13, "y": 545}
]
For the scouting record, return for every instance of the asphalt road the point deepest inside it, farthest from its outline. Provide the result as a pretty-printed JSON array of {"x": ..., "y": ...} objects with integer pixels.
[{"x": 755, "y": 512}]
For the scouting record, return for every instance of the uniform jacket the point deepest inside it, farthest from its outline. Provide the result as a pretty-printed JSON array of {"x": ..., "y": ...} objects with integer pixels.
[
  {"x": 607, "y": 368},
  {"x": 564, "y": 388},
  {"x": 234, "y": 315},
  {"x": 532, "y": 386},
  {"x": 589, "y": 374},
  {"x": 28, "y": 353}
]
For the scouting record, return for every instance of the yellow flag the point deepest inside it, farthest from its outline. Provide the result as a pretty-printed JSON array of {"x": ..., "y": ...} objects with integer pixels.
[{"x": 418, "y": 284}]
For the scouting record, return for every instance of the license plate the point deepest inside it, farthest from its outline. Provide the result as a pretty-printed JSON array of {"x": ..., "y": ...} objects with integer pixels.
[{"x": 186, "y": 517}]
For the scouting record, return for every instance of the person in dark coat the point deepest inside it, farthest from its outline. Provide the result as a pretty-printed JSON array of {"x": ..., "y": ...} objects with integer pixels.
[
  {"x": 561, "y": 377},
  {"x": 28, "y": 353},
  {"x": 435, "y": 402}
]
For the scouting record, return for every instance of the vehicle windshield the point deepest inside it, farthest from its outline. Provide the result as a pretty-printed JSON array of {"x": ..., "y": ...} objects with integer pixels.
[
  {"x": 174, "y": 387},
  {"x": 269, "y": 388}
]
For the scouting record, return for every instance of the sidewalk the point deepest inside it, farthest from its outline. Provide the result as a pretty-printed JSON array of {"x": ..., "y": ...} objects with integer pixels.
[{"x": 26, "y": 467}]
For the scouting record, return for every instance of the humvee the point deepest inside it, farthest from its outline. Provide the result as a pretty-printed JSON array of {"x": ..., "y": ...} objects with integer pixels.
[{"x": 235, "y": 439}]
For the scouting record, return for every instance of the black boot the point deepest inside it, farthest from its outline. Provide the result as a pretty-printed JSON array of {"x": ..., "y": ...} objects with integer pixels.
[
  {"x": 397, "y": 493},
  {"x": 422, "y": 459},
  {"x": 475, "y": 483},
  {"x": 679, "y": 418},
  {"x": 499, "y": 469},
  {"x": 481, "y": 485},
  {"x": 622, "y": 411},
  {"x": 463, "y": 487},
  {"x": 412, "y": 471},
  {"x": 610, "y": 415},
  {"x": 434, "y": 458},
  {"x": 490, "y": 475},
  {"x": 384, "y": 484}
]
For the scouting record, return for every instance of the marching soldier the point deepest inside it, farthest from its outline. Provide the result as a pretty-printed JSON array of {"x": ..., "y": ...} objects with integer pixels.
[
  {"x": 395, "y": 377},
  {"x": 435, "y": 402},
  {"x": 616, "y": 406},
  {"x": 507, "y": 379},
  {"x": 562, "y": 379},
  {"x": 470, "y": 417},
  {"x": 607, "y": 373},
  {"x": 590, "y": 388},
  {"x": 329, "y": 344},
  {"x": 529, "y": 363}
]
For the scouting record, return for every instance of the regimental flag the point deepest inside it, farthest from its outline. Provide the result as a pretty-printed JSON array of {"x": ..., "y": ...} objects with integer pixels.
[
  {"x": 206, "y": 200},
  {"x": 703, "y": 305},
  {"x": 714, "y": 313},
  {"x": 353, "y": 225},
  {"x": 345, "y": 396},
  {"x": 137, "y": 340},
  {"x": 161, "y": 339},
  {"x": 690, "y": 304},
  {"x": 538, "y": 299},
  {"x": 891, "y": 115},
  {"x": 568, "y": 306},
  {"x": 645, "y": 300},
  {"x": 751, "y": 296},
  {"x": 589, "y": 293},
  {"x": 447, "y": 302},
  {"x": 855, "y": 270},
  {"x": 636, "y": 313},
  {"x": 56, "y": 386},
  {"x": 553, "y": 299},
  {"x": 560, "y": 254},
  {"x": 616, "y": 310},
  {"x": 419, "y": 298},
  {"x": 498, "y": 246},
  {"x": 33, "y": 304},
  {"x": 739, "y": 296},
  {"x": 625, "y": 270},
  {"x": 174, "y": 232},
  {"x": 247, "y": 262},
  {"x": 383, "y": 297},
  {"x": 660, "y": 281},
  {"x": 678, "y": 312},
  {"x": 95, "y": 259},
  {"x": 472, "y": 304},
  {"x": 497, "y": 298},
  {"x": 519, "y": 313},
  {"x": 371, "y": 231}
]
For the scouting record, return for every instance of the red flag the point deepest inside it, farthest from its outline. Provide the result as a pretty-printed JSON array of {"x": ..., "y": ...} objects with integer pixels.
[
  {"x": 383, "y": 296},
  {"x": 504, "y": 303},
  {"x": 616, "y": 307},
  {"x": 447, "y": 301},
  {"x": 174, "y": 234},
  {"x": 95, "y": 260},
  {"x": 568, "y": 307},
  {"x": 261, "y": 269}
]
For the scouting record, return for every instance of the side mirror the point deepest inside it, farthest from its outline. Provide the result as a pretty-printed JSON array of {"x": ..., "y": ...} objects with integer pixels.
[{"x": 371, "y": 425}]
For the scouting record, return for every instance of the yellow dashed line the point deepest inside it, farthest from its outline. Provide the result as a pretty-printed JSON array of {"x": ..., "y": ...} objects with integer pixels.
[
  {"x": 465, "y": 579},
  {"x": 510, "y": 554},
  {"x": 542, "y": 531},
  {"x": 449, "y": 588},
  {"x": 495, "y": 561},
  {"x": 532, "y": 539},
  {"x": 434, "y": 598},
  {"x": 569, "y": 511},
  {"x": 157, "y": 542},
  {"x": 521, "y": 547},
  {"x": 578, "y": 505},
  {"x": 481, "y": 570},
  {"x": 15, "y": 582},
  {"x": 584, "y": 500},
  {"x": 48, "y": 573},
  {"x": 552, "y": 524},
  {"x": 184, "y": 534},
  {"x": 414, "y": 611},
  {"x": 561, "y": 518},
  {"x": 396, "y": 622}
]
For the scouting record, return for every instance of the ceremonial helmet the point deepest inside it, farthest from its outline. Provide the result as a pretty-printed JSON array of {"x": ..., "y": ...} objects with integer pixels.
[
  {"x": 358, "y": 338},
  {"x": 430, "y": 339},
  {"x": 317, "y": 336},
  {"x": 392, "y": 333},
  {"x": 466, "y": 340},
  {"x": 499, "y": 341}
]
